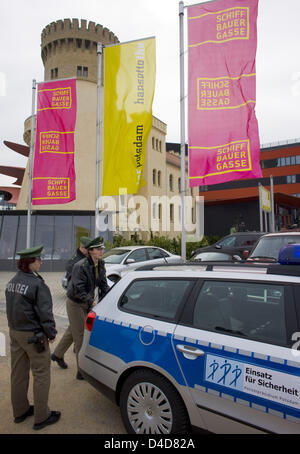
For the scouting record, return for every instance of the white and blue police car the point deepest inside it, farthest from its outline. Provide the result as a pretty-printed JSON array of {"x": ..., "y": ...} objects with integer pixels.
[{"x": 189, "y": 346}]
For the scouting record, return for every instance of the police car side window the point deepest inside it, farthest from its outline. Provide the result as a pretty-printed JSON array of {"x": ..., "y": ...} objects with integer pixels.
[
  {"x": 159, "y": 298},
  {"x": 250, "y": 310}
]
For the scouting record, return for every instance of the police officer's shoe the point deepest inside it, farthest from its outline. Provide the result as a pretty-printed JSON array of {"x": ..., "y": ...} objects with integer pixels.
[
  {"x": 22, "y": 418},
  {"x": 52, "y": 419},
  {"x": 79, "y": 376},
  {"x": 60, "y": 361}
]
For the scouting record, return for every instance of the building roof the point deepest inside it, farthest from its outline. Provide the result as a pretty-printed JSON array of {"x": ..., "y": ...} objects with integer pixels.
[
  {"x": 283, "y": 199},
  {"x": 17, "y": 172},
  {"x": 21, "y": 149}
]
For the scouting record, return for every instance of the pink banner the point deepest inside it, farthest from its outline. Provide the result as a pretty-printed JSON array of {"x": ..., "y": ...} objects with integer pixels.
[
  {"x": 53, "y": 172},
  {"x": 223, "y": 130}
]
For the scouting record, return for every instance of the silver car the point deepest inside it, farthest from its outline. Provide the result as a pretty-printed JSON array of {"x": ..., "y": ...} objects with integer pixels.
[{"x": 121, "y": 260}]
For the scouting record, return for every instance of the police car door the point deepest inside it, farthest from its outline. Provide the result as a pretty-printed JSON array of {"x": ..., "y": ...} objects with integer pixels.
[{"x": 233, "y": 345}]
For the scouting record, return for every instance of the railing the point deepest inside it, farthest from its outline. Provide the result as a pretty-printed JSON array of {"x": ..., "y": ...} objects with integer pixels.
[
  {"x": 7, "y": 206},
  {"x": 280, "y": 143}
]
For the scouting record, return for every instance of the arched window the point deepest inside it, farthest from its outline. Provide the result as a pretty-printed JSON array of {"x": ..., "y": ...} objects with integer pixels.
[
  {"x": 171, "y": 182},
  {"x": 154, "y": 176},
  {"x": 159, "y": 178}
]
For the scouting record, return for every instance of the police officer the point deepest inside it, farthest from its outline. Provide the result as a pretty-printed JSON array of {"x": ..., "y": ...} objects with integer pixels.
[
  {"x": 31, "y": 326},
  {"x": 67, "y": 339},
  {"x": 87, "y": 274}
]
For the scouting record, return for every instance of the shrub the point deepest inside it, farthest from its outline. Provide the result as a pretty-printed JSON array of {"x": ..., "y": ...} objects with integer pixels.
[{"x": 171, "y": 245}]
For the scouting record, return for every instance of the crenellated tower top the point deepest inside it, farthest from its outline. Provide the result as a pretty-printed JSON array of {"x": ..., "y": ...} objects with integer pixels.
[{"x": 69, "y": 48}]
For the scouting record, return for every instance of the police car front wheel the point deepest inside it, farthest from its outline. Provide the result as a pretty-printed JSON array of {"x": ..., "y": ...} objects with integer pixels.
[{"x": 149, "y": 404}]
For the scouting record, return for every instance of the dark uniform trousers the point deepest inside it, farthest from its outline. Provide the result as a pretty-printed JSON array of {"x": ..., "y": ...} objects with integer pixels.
[
  {"x": 64, "y": 344},
  {"x": 23, "y": 358},
  {"x": 77, "y": 313}
]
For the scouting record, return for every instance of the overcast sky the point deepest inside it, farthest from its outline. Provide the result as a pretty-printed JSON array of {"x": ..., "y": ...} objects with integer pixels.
[{"x": 277, "y": 64}]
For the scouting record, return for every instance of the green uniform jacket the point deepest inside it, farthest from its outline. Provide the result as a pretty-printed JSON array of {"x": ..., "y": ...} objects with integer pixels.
[
  {"x": 29, "y": 304},
  {"x": 82, "y": 285},
  {"x": 70, "y": 263}
]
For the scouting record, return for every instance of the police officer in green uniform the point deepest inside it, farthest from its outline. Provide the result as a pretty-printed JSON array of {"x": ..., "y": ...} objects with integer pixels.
[
  {"x": 67, "y": 339},
  {"x": 31, "y": 328},
  {"x": 87, "y": 274}
]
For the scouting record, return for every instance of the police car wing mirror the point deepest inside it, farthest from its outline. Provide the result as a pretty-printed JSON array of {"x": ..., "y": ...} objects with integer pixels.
[{"x": 129, "y": 261}]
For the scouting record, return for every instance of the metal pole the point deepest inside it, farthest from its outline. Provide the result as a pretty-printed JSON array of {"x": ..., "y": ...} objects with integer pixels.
[
  {"x": 99, "y": 56},
  {"x": 272, "y": 205},
  {"x": 260, "y": 209},
  {"x": 182, "y": 130},
  {"x": 266, "y": 222},
  {"x": 30, "y": 166}
]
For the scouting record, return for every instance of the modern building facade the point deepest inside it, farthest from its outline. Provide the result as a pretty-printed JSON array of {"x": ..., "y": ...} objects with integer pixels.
[{"x": 237, "y": 201}]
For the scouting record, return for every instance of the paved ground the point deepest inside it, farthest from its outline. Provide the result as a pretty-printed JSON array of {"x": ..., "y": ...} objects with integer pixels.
[{"x": 84, "y": 410}]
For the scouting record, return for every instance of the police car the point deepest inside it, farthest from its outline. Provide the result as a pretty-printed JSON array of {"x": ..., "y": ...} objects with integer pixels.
[{"x": 189, "y": 346}]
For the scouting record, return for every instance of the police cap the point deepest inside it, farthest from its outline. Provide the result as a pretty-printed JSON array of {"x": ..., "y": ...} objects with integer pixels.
[
  {"x": 31, "y": 252},
  {"x": 96, "y": 242},
  {"x": 85, "y": 240}
]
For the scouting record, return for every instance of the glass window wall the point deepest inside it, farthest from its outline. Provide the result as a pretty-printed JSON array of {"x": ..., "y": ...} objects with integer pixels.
[
  {"x": 44, "y": 234},
  {"x": 63, "y": 241},
  {"x": 8, "y": 237}
]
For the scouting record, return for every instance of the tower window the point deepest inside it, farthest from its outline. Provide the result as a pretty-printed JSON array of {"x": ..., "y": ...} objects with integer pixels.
[
  {"x": 82, "y": 71},
  {"x": 54, "y": 73}
]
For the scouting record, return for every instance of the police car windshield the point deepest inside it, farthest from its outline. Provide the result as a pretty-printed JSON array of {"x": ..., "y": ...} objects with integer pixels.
[
  {"x": 269, "y": 246},
  {"x": 115, "y": 255}
]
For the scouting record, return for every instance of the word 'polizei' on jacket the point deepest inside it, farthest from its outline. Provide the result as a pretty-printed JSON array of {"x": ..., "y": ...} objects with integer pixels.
[
  {"x": 29, "y": 304},
  {"x": 83, "y": 283}
]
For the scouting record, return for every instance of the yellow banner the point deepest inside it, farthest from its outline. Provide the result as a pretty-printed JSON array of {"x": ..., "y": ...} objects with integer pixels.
[
  {"x": 129, "y": 90},
  {"x": 265, "y": 199}
]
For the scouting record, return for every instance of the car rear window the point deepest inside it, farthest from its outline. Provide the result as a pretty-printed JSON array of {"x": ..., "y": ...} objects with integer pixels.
[
  {"x": 270, "y": 246},
  {"x": 158, "y": 298}
]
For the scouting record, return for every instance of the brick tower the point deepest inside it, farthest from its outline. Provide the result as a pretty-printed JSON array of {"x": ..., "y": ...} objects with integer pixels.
[{"x": 69, "y": 49}]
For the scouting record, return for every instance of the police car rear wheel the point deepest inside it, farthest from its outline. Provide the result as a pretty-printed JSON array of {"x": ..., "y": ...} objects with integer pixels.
[{"x": 150, "y": 404}]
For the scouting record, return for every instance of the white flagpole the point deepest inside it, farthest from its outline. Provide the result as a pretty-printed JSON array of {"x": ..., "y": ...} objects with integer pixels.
[
  {"x": 182, "y": 130},
  {"x": 99, "y": 55},
  {"x": 260, "y": 208},
  {"x": 28, "y": 240},
  {"x": 272, "y": 205}
]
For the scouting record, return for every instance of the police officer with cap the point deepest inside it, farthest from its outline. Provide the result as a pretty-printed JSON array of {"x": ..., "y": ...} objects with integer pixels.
[
  {"x": 31, "y": 327},
  {"x": 67, "y": 339},
  {"x": 87, "y": 274}
]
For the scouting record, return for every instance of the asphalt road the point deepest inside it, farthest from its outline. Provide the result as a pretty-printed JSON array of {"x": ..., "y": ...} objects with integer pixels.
[{"x": 84, "y": 410}]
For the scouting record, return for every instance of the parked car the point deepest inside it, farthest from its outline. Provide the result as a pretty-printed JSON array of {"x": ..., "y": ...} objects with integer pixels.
[
  {"x": 239, "y": 243},
  {"x": 215, "y": 257},
  {"x": 121, "y": 260},
  {"x": 269, "y": 245},
  {"x": 180, "y": 348}
]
